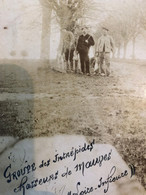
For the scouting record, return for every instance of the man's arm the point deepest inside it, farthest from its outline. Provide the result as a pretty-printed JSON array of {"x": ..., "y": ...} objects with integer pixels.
[
  {"x": 78, "y": 44},
  {"x": 91, "y": 41}
]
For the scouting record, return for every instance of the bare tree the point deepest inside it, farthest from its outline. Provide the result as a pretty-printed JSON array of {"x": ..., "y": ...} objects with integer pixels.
[
  {"x": 124, "y": 21},
  {"x": 67, "y": 12},
  {"x": 142, "y": 9}
]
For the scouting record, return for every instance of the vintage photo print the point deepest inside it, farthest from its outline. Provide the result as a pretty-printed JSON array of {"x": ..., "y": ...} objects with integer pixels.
[{"x": 72, "y": 97}]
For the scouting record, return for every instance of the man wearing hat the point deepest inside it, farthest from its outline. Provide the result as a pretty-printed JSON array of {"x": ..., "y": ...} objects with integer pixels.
[
  {"x": 105, "y": 45},
  {"x": 85, "y": 41}
]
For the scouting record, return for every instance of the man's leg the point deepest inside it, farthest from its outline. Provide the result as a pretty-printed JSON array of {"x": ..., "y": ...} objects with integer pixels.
[
  {"x": 107, "y": 63},
  {"x": 76, "y": 66},
  {"x": 96, "y": 66},
  {"x": 101, "y": 59},
  {"x": 67, "y": 58},
  {"x": 87, "y": 63},
  {"x": 71, "y": 59},
  {"x": 82, "y": 62}
]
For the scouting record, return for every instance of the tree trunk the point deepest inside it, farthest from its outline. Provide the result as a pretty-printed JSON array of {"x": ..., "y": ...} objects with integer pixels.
[
  {"x": 118, "y": 53},
  {"x": 125, "y": 49},
  {"x": 133, "y": 48},
  {"x": 46, "y": 32},
  {"x": 113, "y": 55}
]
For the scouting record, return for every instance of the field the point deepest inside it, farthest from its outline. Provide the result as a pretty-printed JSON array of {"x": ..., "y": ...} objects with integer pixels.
[{"x": 38, "y": 101}]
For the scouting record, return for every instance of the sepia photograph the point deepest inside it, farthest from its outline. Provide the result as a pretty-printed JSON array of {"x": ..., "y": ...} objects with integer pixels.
[{"x": 73, "y": 97}]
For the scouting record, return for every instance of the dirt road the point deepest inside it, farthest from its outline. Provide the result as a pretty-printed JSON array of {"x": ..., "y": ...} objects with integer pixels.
[{"x": 37, "y": 101}]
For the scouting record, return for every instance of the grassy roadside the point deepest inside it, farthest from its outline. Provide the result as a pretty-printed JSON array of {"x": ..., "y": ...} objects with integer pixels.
[{"x": 58, "y": 103}]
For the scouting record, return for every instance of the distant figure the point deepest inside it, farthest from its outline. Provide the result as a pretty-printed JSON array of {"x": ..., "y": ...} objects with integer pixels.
[
  {"x": 84, "y": 43},
  {"x": 104, "y": 47},
  {"x": 68, "y": 48}
]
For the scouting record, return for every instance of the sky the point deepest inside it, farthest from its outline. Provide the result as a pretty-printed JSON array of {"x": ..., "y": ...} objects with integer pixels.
[{"x": 24, "y": 28}]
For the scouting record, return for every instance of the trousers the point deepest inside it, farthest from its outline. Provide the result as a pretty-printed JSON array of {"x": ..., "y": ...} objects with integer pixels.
[
  {"x": 84, "y": 59},
  {"x": 104, "y": 56},
  {"x": 69, "y": 57}
]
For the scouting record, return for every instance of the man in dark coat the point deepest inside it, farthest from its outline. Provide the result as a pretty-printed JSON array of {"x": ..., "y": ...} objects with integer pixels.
[{"x": 85, "y": 41}]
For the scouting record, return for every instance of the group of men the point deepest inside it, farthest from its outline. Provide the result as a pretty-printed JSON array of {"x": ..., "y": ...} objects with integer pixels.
[{"x": 74, "y": 46}]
